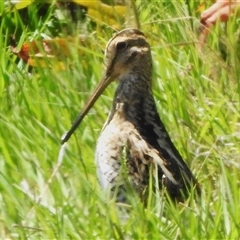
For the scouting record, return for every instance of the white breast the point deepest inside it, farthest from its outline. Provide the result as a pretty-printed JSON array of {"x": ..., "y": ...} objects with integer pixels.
[{"x": 109, "y": 149}]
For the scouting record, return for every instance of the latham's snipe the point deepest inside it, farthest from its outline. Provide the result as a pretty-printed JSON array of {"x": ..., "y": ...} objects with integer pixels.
[{"x": 133, "y": 136}]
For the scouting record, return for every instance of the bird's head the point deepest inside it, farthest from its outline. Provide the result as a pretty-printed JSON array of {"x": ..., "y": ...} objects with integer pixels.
[{"x": 126, "y": 52}]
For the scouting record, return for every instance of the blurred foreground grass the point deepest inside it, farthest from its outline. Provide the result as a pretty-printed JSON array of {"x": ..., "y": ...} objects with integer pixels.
[{"x": 197, "y": 94}]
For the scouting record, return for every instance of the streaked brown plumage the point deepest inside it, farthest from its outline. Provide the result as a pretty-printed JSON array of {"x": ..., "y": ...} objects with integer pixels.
[{"x": 134, "y": 142}]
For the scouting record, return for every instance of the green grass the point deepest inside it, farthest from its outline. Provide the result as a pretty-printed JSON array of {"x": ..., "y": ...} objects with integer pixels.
[{"x": 198, "y": 97}]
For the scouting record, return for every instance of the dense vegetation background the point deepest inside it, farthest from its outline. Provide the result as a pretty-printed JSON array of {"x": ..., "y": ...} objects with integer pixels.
[{"x": 197, "y": 93}]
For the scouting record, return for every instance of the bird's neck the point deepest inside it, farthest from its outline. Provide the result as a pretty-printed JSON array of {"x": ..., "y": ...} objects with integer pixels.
[{"x": 134, "y": 94}]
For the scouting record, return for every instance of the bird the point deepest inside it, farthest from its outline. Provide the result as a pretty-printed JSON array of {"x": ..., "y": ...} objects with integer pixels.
[{"x": 134, "y": 145}]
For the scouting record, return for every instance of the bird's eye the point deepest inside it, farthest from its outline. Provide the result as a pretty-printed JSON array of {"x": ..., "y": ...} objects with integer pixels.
[{"x": 121, "y": 46}]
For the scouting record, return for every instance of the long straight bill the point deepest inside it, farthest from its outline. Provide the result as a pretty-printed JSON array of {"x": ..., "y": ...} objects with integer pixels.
[{"x": 99, "y": 90}]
